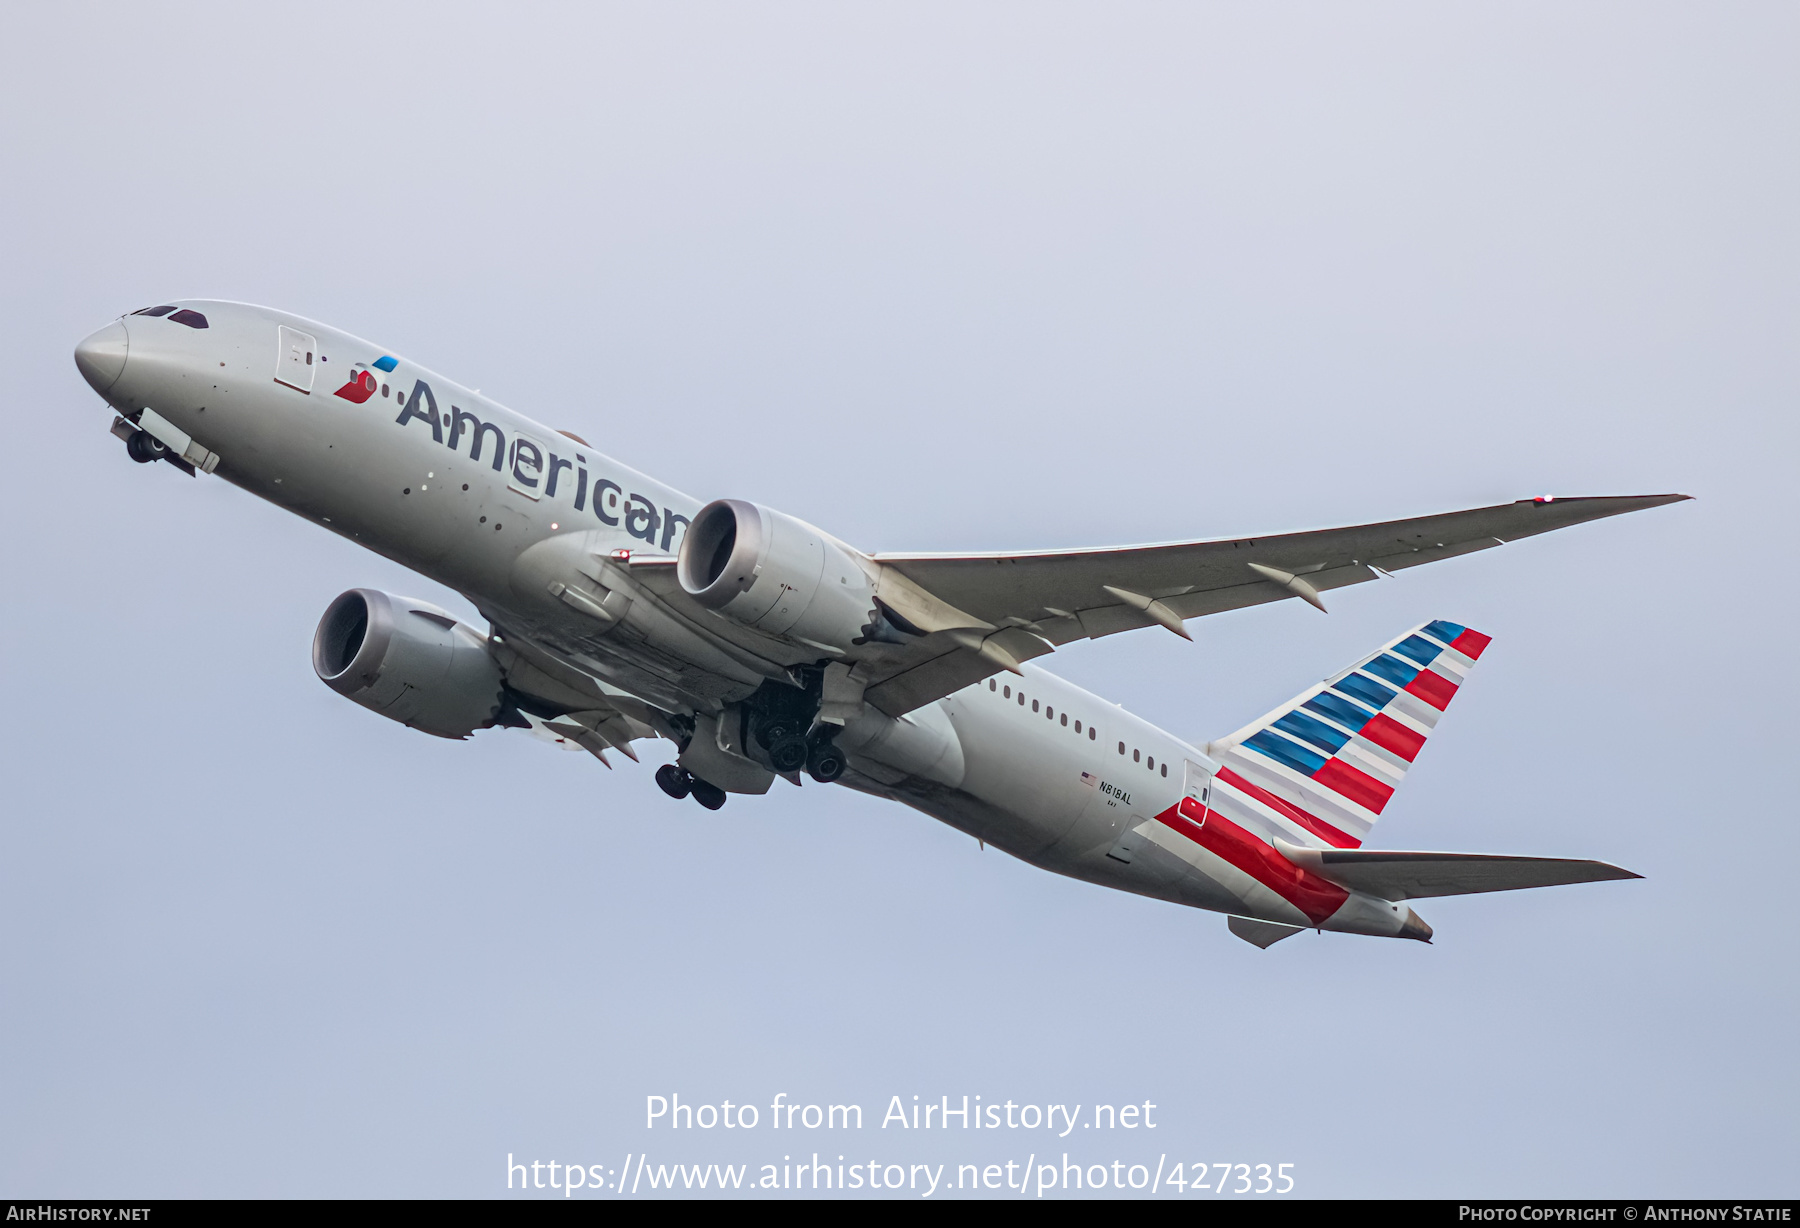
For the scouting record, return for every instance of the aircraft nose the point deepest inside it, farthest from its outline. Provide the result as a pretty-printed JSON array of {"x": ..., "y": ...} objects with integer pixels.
[{"x": 101, "y": 356}]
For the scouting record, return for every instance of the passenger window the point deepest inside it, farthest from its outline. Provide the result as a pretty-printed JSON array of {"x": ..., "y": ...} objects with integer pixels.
[
  {"x": 1091, "y": 731},
  {"x": 1150, "y": 762},
  {"x": 192, "y": 319},
  {"x": 1021, "y": 699},
  {"x": 992, "y": 685},
  {"x": 1165, "y": 769},
  {"x": 1065, "y": 721},
  {"x": 1077, "y": 726},
  {"x": 153, "y": 311},
  {"x": 1121, "y": 748},
  {"x": 1007, "y": 693},
  {"x": 1034, "y": 705},
  {"x": 384, "y": 390}
]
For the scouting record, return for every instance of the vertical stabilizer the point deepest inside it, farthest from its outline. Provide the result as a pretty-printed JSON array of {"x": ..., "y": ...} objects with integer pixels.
[{"x": 1319, "y": 770}]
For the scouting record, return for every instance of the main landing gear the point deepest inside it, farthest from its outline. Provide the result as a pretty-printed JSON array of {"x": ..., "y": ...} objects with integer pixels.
[
  {"x": 824, "y": 762},
  {"x": 789, "y": 750},
  {"x": 678, "y": 782},
  {"x": 782, "y": 721}
]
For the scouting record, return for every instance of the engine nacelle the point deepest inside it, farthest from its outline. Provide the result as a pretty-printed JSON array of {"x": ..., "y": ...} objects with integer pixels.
[
  {"x": 777, "y": 574},
  {"x": 409, "y": 661}
]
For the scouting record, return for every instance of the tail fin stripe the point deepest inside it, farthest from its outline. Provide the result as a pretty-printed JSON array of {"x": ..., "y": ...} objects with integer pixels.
[
  {"x": 1303, "y": 792},
  {"x": 1354, "y": 784},
  {"x": 1284, "y": 751},
  {"x": 1392, "y": 669},
  {"x": 1287, "y": 810},
  {"x": 1418, "y": 649},
  {"x": 1416, "y": 710},
  {"x": 1383, "y": 766},
  {"x": 1452, "y": 664},
  {"x": 1471, "y": 644},
  {"x": 1449, "y": 633},
  {"x": 1351, "y": 716},
  {"x": 1389, "y": 734},
  {"x": 1366, "y": 689},
  {"x": 1433, "y": 688},
  {"x": 1358, "y": 784},
  {"x": 1310, "y": 729}
]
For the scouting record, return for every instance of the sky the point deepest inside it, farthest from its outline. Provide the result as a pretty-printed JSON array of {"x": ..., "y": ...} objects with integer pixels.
[{"x": 934, "y": 277}]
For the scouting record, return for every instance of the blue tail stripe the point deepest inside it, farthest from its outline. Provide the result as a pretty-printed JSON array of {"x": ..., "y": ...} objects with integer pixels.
[
  {"x": 1393, "y": 669},
  {"x": 1368, "y": 690},
  {"x": 1418, "y": 649},
  {"x": 1281, "y": 750},
  {"x": 1351, "y": 716},
  {"x": 1447, "y": 632},
  {"x": 1311, "y": 729}
]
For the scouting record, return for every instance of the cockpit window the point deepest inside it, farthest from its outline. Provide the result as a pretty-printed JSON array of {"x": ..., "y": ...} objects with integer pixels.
[
  {"x": 154, "y": 311},
  {"x": 192, "y": 319}
]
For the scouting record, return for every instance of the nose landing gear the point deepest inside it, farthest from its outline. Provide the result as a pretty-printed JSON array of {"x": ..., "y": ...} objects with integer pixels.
[
  {"x": 678, "y": 782},
  {"x": 143, "y": 447}
]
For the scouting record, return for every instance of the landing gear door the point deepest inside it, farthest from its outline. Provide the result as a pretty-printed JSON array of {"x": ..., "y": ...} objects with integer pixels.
[
  {"x": 296, "y": 358},
  {"x": 1196, "y": 792}
]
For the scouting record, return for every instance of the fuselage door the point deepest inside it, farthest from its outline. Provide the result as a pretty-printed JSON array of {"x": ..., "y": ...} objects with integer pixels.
[
  {"x": 296, "y": 358},
  {"x": 1196, "y": 792},
  {"x": 525, "y": 471}
]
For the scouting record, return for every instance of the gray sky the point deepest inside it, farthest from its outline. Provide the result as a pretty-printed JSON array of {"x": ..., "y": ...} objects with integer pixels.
[{"x": 935, "y": 277}]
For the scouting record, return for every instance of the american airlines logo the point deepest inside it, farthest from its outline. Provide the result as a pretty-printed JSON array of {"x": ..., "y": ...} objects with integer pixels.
[{"x": 538, "y": 472}]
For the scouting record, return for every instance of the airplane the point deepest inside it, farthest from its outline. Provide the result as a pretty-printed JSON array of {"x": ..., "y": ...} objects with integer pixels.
[{"x": 762, "y": 647}]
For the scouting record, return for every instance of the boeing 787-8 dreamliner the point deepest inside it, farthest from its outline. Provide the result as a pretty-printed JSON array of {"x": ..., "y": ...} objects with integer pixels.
[{"x": 759, "y": 646}]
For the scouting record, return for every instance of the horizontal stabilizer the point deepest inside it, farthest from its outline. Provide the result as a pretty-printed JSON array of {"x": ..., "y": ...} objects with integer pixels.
[
  {"x": 1412, "y": 876},
  {"x": 1264, "y": 934}
]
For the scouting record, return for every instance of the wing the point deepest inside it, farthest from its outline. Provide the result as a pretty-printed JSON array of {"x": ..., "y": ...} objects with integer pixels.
[{"x": 1045, "y": 599}]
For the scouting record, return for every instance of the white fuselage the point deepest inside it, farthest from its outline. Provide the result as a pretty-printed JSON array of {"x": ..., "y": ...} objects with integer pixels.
[{"x": 1001, "y": 760}]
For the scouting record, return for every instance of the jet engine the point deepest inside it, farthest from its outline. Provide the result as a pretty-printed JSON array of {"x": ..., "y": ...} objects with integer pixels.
[
  {"x": 780, "y": 575},
  {"x": 409, "y": 661}
]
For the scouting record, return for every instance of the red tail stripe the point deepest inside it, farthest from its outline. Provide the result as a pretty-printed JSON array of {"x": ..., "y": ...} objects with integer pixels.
[
  {"x": 1312, "y": 823},
  {"x": 1472, "y": 644},
  {"x": 1390, "y": 734},
  {"x": 1309, "y": 893},
  {"x": 1358, "y": 786},
  {"x": 1433, "y": 688}
]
